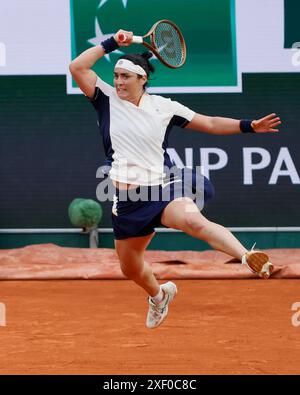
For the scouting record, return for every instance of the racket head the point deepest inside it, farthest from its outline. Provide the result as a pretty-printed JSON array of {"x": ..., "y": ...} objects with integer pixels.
[{"x": 167, "y": 43}]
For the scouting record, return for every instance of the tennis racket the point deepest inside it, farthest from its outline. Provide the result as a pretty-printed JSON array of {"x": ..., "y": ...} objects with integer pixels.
[{"x": 167, "y": 43}]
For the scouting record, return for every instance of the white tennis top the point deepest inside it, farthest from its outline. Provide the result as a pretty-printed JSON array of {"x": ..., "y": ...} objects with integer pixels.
[{"x": 135, "y": 138}]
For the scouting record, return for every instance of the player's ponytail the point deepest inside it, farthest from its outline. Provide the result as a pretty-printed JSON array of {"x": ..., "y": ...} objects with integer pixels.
[{"x": 148, "y": 55}]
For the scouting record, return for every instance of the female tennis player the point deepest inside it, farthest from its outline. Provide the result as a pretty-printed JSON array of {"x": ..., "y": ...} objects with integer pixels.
[{"x": 135, "y": 126}]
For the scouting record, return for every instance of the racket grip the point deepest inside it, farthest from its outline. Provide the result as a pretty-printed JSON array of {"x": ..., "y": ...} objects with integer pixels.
[{"x": 135, "y": 39}]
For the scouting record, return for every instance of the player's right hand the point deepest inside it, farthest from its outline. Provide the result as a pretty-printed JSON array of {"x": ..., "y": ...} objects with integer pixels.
[{"x": 128, "y": 37}]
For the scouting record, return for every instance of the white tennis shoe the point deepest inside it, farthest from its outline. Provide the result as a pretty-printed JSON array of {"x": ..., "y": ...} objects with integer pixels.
[
  {"x": 258, "y": 262},
  {"x": 157, "y": 313}
]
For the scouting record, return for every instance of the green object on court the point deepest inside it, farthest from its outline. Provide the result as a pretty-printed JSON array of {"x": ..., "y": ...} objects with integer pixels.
[{"x": 85, "y": 213}]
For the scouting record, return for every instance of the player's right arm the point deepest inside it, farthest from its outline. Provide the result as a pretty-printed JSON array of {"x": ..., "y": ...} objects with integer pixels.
[{"x": 81, "y": 67}]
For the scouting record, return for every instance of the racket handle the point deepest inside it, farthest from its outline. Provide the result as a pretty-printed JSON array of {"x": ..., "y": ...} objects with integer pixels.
[{"x": 135, "y": 39}]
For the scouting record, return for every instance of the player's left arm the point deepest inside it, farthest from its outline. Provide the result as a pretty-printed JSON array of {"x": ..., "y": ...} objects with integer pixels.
[{"x": 225, "y": 126}]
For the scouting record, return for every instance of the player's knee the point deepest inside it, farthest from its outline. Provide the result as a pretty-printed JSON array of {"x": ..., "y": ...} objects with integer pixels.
[
  {"x": 195, "y": 224},
  {"x": 131, "y": 271}
]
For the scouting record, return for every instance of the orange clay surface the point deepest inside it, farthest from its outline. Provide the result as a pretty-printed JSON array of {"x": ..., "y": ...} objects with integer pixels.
[{"x": 98, "y": 327}]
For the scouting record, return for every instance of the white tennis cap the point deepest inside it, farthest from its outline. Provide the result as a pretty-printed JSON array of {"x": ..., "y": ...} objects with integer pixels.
[{"x": 130, "y": 66}]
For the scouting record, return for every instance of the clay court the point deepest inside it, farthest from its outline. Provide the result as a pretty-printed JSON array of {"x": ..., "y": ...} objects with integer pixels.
[
  {"x": 71, "y": 311},
  {"x": 98, "y": 327}
]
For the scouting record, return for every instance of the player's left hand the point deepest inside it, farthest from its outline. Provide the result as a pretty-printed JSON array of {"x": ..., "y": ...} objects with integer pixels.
[{"x": 266, "y": 124}]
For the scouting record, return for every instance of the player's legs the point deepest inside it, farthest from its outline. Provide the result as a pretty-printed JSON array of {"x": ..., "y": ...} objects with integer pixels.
[
  {"x": 183, "y": 214},
  {"x": 131, "y": 255}
]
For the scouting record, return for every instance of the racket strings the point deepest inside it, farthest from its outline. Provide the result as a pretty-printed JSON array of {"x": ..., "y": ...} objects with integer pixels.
[{"x": 169, "y": 44}]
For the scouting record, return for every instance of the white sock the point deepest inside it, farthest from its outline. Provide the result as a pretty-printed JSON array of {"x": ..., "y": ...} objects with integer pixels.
[{"x": 159, "y": 297}]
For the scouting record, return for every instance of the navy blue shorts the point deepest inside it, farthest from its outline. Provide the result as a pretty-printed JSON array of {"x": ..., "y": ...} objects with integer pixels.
[{"x": 137, "y": 212}]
